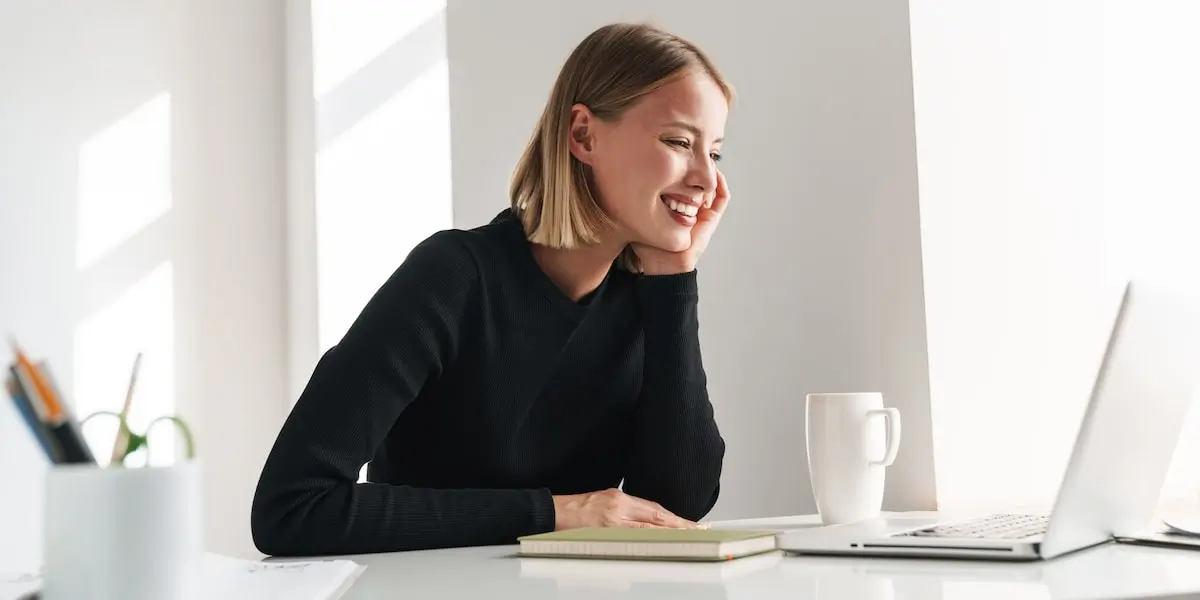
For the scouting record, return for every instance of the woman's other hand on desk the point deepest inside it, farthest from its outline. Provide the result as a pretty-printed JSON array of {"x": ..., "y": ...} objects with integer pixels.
[{"x": 612, "y": 508}]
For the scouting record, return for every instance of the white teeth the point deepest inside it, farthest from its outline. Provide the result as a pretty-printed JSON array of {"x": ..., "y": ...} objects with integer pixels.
[{"x": 681, "y": 207}]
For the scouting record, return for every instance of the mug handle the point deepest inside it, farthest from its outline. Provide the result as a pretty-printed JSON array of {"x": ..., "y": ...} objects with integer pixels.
[{"x": 892, "y": 416}]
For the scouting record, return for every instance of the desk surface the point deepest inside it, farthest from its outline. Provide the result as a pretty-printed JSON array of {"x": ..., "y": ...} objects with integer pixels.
[{"x": 1110, "y": 571}]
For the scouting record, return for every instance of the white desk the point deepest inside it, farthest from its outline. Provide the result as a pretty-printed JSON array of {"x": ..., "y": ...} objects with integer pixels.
[{"x": 1110, "y": 571}]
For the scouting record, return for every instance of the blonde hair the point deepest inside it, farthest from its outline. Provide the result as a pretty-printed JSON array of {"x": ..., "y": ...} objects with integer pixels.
[{"x": 609, "y": 71}]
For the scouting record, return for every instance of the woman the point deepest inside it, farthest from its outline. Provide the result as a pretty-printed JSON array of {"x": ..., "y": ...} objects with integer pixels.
[{"x": 506, "y": 379}]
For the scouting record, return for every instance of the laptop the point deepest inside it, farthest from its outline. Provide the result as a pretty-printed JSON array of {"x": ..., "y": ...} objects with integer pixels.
[{"x": 1144, "y": 387}]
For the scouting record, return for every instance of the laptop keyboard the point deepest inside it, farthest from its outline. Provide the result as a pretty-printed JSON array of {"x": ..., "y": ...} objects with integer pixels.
[{"x": 1003, "y": 527}]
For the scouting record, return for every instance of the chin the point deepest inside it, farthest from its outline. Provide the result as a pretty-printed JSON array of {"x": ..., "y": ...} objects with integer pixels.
[{"x": 672, "y": 243}]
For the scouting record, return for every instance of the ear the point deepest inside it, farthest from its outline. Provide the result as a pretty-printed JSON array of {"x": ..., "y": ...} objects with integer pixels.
[{"x": 582, "y": 134}]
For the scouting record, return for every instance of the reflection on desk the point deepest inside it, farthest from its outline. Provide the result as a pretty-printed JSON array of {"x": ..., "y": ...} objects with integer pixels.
[
  {"x": 1110, "y": 571},
  {"x": 621, "y": 575}
]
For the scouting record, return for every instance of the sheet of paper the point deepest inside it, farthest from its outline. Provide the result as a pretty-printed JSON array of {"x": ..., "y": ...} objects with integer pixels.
[
  {"x": 1163, "y": 540},
  {"x": 18, "y": 586},
  {"x": 233, "y": 579},
  {"x": 1183, "y": 527}
]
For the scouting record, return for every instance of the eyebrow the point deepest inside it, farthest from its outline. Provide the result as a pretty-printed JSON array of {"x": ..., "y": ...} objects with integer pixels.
[{"x": 692, "y": 128}]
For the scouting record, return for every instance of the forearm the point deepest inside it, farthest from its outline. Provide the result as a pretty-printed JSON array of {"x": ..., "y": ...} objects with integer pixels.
[
  {"x": 678, "y": 463},
  {"x": 354, "y": 518},
  {"x": 309, "y": 501},
  {"x": 678, "y": 449}
]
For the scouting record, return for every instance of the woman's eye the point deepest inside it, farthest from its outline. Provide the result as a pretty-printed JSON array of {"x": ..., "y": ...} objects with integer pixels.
[{"x": 716, "y": 156}]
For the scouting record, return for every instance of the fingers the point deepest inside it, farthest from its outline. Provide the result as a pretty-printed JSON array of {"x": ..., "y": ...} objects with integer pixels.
[
  {"x": 640, "y": 511},
  {"x": 645, "y": 511},
  {"x": 642, "y": 525},
  {"x": 676, "y": 521},
  {"x": 706, "y": 220},
  {"x": 721, "y": 195}
]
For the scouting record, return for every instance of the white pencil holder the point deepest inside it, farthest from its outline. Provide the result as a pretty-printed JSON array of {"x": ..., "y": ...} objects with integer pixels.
[{"x": 123, "y": 533}]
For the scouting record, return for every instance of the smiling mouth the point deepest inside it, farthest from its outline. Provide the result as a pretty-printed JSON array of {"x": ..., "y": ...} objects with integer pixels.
[{"x": 682, "y": 209}]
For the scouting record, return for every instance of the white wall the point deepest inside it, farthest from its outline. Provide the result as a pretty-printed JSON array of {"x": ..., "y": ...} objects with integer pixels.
[
  {"x": 814, "y": 281},
  {"x": 1057, "y": 146},
  {"x": 141, "y": 207},
  {"x": 1010, "y": 138}
]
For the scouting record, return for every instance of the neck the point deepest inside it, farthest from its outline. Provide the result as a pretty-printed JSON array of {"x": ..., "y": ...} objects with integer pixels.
[{"x": 579, "y": 271}]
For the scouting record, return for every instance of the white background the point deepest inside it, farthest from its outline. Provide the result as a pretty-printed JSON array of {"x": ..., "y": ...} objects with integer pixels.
[{"x": 223, "y": 184}]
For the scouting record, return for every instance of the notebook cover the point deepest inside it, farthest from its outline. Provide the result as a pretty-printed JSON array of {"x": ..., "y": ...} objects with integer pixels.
[
  {"x": 631, "y": 535},
  {"x": 652, "y": 559}
]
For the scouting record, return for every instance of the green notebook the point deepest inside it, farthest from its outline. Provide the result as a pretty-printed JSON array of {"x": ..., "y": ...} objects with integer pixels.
[{"x": 649, "y": 544}]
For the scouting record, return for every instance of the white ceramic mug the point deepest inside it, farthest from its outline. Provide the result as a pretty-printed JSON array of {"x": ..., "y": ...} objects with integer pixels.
[
  {"x": 123, "y": 533},
  {"x": 851, "y": 440}
]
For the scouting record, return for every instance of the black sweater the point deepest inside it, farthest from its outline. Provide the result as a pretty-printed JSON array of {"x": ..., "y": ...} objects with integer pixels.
[{"x": 476, "y": 389}]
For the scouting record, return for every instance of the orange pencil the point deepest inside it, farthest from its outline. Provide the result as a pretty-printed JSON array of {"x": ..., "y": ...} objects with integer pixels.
[{"x": 54, "y": 408}]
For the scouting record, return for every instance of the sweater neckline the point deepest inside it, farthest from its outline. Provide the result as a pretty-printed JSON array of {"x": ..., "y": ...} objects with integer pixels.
[{"x": 571, "y": 309}]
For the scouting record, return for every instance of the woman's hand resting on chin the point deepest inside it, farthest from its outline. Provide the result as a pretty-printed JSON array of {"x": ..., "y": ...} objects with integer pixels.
[
  {"x": 612, "y": 508},
  {"x": 661, "y": 262}
]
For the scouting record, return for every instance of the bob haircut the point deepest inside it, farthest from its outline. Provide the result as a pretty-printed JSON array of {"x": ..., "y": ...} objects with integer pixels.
[{"x": 609, "y": 71}]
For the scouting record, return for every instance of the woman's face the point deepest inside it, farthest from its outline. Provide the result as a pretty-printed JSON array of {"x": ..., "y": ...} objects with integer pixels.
[{"x": 656, "y": 165}]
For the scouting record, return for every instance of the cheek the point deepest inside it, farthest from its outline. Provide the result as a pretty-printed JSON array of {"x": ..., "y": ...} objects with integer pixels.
[
  {"x": 664, "y": 169},
  {"x": 627, "y": 178},
  {"x": 630, "y": 181},
  {"x": 654, "y": 170}
]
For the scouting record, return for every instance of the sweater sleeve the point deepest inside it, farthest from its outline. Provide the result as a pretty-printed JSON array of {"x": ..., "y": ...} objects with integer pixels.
[
  {"x": 309, "y": 501},
  {"x": 677, "y": 450}
]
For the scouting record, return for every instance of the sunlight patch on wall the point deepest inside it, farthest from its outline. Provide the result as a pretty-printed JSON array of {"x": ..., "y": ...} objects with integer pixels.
[
  {"x": 124, "y": 179},
  {"x": 349, "y": 34},
  {"x": 1056, "y": 147},
  {"x": 1151, "y": 146}
]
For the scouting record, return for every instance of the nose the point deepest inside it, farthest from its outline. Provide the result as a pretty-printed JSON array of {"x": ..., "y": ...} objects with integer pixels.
[{"x": 702, "y": 175}]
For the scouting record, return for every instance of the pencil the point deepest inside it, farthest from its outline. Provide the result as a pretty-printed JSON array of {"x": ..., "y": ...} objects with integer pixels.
[
  {"x": 122, "y": 440},
  {"x": 54, "y": 410}
]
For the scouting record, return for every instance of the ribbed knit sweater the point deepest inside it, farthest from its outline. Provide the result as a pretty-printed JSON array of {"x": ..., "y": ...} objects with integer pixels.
[{"x": 475, "y": 390}]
